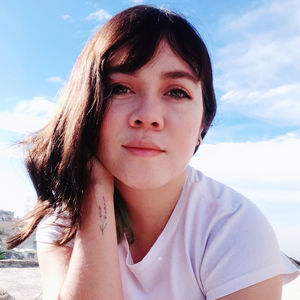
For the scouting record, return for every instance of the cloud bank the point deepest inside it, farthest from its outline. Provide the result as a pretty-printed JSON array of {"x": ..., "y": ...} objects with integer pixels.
[
  {"x": 258, "y": 70},
  {"x": 27, "y": 116},
  {"x": 56, "y": 79},
  {"x": 100, "y": 15},
  {"x": 263, "y": 171},
  {"x": 67, "y": 18}
]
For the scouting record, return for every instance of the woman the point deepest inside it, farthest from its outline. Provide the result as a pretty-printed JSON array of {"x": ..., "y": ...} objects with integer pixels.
[{"x": 123, "y": 216}]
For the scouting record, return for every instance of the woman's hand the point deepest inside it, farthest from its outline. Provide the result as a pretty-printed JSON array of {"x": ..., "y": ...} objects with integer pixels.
[
  {"x": 99, "y": 175},
  {"x": 99, "y": 190},
  {"x": 94, "y": 271},
  {"x": 91, "y": 269}
]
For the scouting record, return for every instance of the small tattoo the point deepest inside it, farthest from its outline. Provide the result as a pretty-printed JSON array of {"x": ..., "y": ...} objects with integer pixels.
[{"x": 102, "y": 211}]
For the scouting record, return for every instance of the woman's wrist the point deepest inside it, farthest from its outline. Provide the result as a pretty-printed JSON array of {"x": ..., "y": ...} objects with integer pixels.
[{"x": 97, "y": 209}]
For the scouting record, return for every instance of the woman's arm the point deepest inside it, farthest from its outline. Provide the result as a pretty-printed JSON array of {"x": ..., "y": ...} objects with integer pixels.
[
  {"x": 91, "y": 270},
  {"x": 266, "y": 290},
  {"x": 53, "y": 265}
]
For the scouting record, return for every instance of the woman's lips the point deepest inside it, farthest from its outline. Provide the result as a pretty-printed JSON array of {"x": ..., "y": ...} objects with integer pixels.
[
  {"x": 143, "y": 148},
  {"x": 143, "y": 152}
]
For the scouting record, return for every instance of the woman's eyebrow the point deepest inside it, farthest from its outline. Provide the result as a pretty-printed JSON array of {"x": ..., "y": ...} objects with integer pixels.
[{"x": 179, "y": 74}]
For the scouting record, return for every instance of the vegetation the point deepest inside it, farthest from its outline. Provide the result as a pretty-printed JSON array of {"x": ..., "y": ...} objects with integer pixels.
[{"x": 2, "y": 254}]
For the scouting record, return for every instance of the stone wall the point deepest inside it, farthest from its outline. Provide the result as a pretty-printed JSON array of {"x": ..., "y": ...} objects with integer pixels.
[
  {"x": 16, "y": 263},
  {"x": 7, "y": 227},
  {"x": 25, "y": 251}
]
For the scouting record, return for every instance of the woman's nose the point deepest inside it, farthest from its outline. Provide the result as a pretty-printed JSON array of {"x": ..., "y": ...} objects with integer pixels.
[{"x": 147, "y": 115}]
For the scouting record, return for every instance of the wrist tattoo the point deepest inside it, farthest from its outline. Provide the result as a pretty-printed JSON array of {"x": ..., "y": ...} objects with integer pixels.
[{"x": 102, "y": 212}]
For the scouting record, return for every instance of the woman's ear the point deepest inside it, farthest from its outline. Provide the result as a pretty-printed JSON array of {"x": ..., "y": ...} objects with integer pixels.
[{"x": 199, "y": 140}]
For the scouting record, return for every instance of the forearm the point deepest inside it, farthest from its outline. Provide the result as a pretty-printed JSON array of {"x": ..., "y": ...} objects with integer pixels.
[{"x": 94, "y": 271}]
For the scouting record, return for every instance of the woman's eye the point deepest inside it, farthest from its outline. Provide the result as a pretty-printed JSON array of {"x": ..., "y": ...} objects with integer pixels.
[
  {"x": 179, "y": 94},
  {"x": 119, "y": 89}
]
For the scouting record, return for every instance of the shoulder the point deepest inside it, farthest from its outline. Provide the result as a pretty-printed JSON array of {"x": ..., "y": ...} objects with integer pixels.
[
  {"x": 235, "y": 243},
  {"x": 216, "y": 200},
  {"x": 223, "y": 213},
  {"x": 51, "y": 228}
]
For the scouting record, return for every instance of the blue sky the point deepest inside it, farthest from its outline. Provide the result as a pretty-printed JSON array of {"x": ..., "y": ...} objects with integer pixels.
[{"x": 254, "y": 144}]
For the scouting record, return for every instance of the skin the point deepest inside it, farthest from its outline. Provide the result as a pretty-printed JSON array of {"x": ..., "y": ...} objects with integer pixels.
[
  {"x": 91, "y": 269},
  {"x": 148, "y": 136},
  {"x": 151, "y": 105}
]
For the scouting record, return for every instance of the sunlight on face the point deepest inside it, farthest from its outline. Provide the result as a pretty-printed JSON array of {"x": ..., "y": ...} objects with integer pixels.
[{"x": 153, "y": 123}]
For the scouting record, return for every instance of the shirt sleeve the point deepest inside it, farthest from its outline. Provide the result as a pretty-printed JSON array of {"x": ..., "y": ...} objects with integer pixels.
[
  {"x": 50, "y": 230},
  {"x": 242, "y": 250}
]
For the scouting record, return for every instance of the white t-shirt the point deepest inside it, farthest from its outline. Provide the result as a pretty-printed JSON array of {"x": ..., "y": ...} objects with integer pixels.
[{"x": 216, "y": 242}]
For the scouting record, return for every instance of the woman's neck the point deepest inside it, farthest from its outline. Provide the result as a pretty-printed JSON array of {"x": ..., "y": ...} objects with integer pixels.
[{"x": 150, "y": 210}]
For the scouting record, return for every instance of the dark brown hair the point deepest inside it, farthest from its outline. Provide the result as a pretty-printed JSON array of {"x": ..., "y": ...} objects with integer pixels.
[{"x": 57, "y": 156}]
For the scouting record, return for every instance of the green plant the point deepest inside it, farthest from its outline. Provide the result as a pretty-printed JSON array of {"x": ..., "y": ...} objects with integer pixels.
[{"x": 2, "y": 254}]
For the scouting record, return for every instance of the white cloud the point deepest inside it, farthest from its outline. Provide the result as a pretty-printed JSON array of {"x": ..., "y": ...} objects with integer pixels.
[
  {"x": 56, "y": 79},
  {"x": 281, "y": 103},
  {"x": 100, "y": 15},
  {"x": 27, "y": 116},
  {"x": 67, "y": 18},
  {"x": 258, "y": 70},
  {"x": 291, "y": 291},
  {"x": 289, "y": 238},
  {"x": 17, "y": 192},
  {"x": 265, "y": 14},
  {"x": 263, "y": 171},
  {"x": 8, "y": 151},
  {"x": 137, "y": 1}
]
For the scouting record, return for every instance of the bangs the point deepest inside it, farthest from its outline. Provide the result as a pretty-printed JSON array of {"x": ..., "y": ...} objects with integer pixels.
[
  {"x": 132, "y": 55},
  {"x": 135, "y": 42}
]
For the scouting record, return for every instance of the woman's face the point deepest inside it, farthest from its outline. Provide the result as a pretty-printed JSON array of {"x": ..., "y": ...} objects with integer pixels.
[{"x": 153, "y": 123}]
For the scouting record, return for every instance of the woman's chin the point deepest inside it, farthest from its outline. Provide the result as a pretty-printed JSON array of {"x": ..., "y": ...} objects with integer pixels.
[
  {"x": 142, "y": 180},
  {"x": 140, "y": 184},
  {"x": 150, "y": 180}
]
